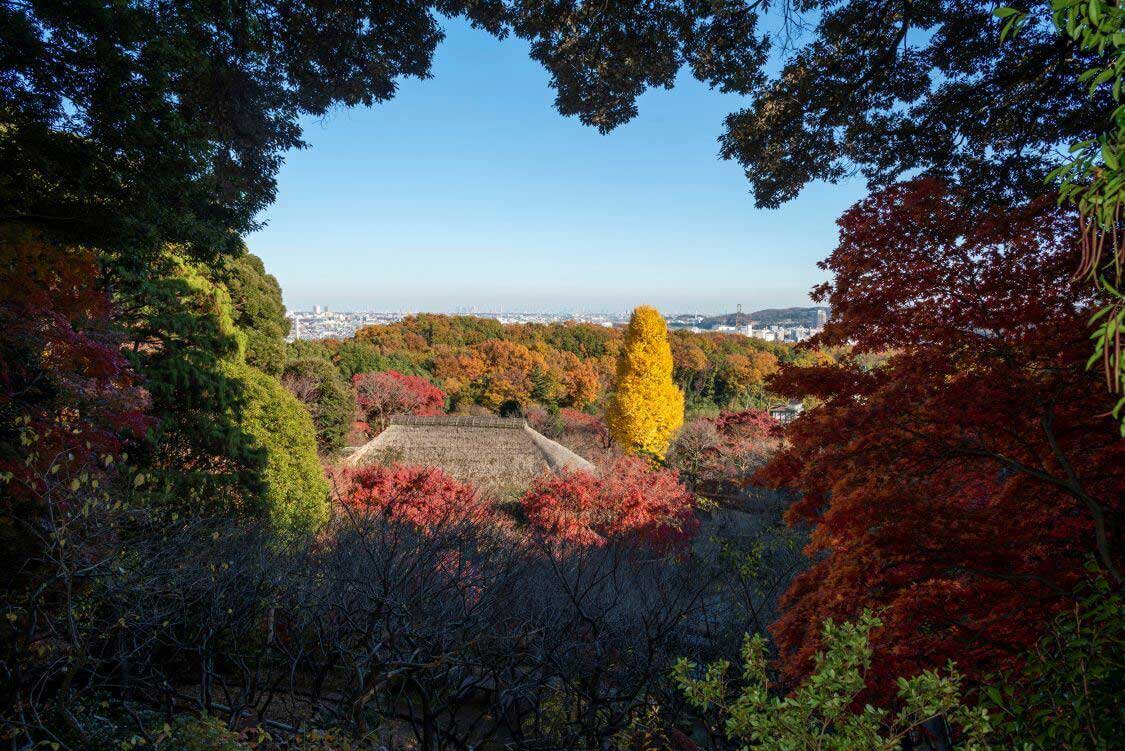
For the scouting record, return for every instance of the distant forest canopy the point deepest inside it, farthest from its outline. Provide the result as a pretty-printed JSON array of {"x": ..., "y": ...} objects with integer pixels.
[
  {"x": 482, "y": 362},
  {"x": 767, "y": 317}
]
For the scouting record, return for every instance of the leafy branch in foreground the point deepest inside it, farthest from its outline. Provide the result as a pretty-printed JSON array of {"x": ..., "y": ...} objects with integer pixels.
[
  {"x": 1092, "y": 179},
  {"x": 824, "y": 711},
  {"x": 1068, "y": 695}
]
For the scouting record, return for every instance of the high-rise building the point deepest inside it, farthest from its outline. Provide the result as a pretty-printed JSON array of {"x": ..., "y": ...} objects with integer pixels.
[
  {"x": 317, "y": 310},
  {"x": 821, "y": 317}
]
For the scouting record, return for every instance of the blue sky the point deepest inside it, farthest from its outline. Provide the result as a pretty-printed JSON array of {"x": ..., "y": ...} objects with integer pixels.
[{"x": 470, "y": 190}]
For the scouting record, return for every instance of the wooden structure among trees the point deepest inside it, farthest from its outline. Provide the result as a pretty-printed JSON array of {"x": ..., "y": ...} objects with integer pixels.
[{"x": 492, "y": 453}]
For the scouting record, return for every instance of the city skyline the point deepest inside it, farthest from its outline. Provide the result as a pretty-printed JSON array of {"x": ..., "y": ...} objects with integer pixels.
[{"x": 789, "y": 324}]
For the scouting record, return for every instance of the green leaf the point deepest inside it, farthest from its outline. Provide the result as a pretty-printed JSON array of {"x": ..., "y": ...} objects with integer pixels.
[{"x": 1108, "y": 156}]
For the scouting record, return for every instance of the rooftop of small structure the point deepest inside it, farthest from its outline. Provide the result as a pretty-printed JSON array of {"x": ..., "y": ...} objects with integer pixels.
[{"x": 493, "y": 453}]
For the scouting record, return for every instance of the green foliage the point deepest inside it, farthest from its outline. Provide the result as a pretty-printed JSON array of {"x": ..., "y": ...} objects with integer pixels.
[
  {"x": 295, "y": 491},
  {"x": 1094, "y": 181},
  {"x": 229, "y": 439},
  {"x": 1068, "y": 695},
  {"x": 200, "y": 733},
  {"x": 258, "y": 311},
  {"x": 824, "y": 712},
  {"x": 182, "y": 331},
  {"x": 356, "y": 356},
  {"x": 302, "y": 349},
  {"x": 328, "y": 397}
]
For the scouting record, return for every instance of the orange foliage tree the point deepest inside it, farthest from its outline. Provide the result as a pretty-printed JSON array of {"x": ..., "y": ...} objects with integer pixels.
[
  {"x": 481, "y": 361},
  {"x": 508, "y": 374},
  {"x": 960, "y": 485}
]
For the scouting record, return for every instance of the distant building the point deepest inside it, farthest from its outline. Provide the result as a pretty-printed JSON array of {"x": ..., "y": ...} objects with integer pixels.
[
  {"x": 317, "y": 310},
  {"x": 785, "y": 413},
  {"x": 821, "y": 318},
  {"x": 493, "y": 453}
]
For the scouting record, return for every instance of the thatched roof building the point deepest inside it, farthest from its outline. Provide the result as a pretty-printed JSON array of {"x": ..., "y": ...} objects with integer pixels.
[{"x": 493, "y": 453}]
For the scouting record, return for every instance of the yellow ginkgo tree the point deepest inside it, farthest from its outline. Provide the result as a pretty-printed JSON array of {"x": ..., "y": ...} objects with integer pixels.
[{"x": 646, "y": 408}]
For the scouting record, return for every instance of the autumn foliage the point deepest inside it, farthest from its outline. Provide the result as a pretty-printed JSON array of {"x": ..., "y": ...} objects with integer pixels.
[
  {"x": 68, "y": 397},
  {"x": 380, "y": 396},
  {"x": 718, "y": 456},
  {"x": 585, "y": 434},
  {"x": 482, "y": 362},
  {"x": 960, "y": 486},
  {"x": 424, "y": 497},
  {"x": 647, "y": 408},
  {"x": 626, "y": 500}
]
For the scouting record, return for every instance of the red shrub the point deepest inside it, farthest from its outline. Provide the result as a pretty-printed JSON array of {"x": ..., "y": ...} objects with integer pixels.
[
  {"x": 747, "y": 424},
  {"x": 627, "y": 499},
  {"x": 380, "y": 396},
  {"x": 423, "y": 496}
]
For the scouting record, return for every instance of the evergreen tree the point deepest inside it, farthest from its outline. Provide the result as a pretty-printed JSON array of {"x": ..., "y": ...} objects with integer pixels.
[
  {"x": 227, "y": 438},
  {"x": 647, "y": 408},
  {"x": 330, "y": 400},
  {"x": 258, "y": 311},
  {"x": 294, "y": 493}
]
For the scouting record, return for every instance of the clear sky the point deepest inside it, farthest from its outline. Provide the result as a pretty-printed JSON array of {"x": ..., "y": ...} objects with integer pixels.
[{"x": 470, "y": 190}]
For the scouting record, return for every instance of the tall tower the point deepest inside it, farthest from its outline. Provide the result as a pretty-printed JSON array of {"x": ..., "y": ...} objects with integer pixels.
[{"x": 821, "y": 318}]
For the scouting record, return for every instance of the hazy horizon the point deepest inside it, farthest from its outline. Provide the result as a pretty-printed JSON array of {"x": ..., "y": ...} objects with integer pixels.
[
  {"x": 470, "y": 190},
  {"x": 543, "y": 310}
]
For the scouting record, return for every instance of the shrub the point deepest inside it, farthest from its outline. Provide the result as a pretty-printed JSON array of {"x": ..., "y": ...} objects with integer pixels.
[
  {"x": 721, "y": 454},
  {"x": 425, "y": 497},
  {"x": 295, "y": 491},
  {"x": 1068, "y": 695},
  {"x": 824, "y": 711},
  {"x": 627, "y": 499},
  {"x": 582, "y": 433}
]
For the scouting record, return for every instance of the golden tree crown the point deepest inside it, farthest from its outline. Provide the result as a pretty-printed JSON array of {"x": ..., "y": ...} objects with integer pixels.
[{"x": 646, "y": 408}]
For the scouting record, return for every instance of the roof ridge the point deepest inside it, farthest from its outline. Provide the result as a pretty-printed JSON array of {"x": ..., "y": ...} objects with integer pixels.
[{"x": 460, "y": 421}]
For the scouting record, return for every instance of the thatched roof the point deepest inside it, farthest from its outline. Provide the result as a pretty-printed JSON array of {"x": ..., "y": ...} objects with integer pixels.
[{"x": 494, "y": 453}]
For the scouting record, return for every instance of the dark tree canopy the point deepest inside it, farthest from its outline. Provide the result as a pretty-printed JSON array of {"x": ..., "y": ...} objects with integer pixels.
[
  {"x": 127, "y": 125},
  {"x": 889, "y": 87}
]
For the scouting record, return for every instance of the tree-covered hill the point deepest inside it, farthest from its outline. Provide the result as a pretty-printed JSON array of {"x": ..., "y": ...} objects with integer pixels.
[{"x": 766, "y": 317}]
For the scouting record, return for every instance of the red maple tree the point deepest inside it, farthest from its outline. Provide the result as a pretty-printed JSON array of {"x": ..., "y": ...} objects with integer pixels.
[
  {"x": 380, "y": 396},
  {"x": 959, "y": 486},
  {"x": 627, "y": 499},
  {"x": 69, "y": 400},
  {"x": 67, "y": 393}
]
